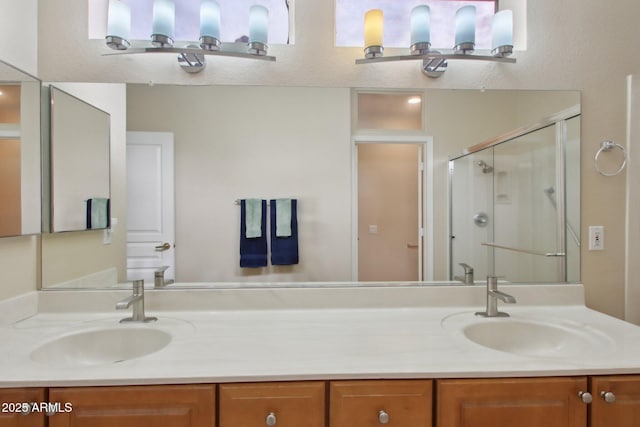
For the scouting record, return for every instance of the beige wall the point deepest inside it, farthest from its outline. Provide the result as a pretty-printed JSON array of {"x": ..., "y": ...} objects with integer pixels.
[
  {"x": 86, "y": 248},
  {"x": 19, "y": 256},
  {"x": 562, "y": 42},
  {"x": 254, "y": 142}
]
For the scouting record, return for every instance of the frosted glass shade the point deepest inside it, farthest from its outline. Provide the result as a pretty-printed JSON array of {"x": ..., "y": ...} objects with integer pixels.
[
  {"x": 163, "y": 24},
  {"x": 502, "y": 30},
  {"x": 210, "y": 19},
  {"x": 258, "y": 24},
  {"x": 420, "y": 25},
  {"x": 373, "y": 27},
  {"x": 466, "y": 27},
  {"x": 119, "y": 20}
]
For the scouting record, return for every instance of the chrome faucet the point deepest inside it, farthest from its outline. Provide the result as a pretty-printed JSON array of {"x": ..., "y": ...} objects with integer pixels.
[
  {"x": 468, "y": 274},
  {"x": 158, "y": 277},
  {"x": 137, "y": 301},
  {"x": 493, "y": 295}
]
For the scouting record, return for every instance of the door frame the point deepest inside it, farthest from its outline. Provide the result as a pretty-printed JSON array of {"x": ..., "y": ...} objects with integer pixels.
[{"x": 425, "y": 209}]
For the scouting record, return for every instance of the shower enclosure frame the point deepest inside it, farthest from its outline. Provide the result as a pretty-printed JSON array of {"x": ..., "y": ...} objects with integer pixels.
[{"x": 560, "y": 121}]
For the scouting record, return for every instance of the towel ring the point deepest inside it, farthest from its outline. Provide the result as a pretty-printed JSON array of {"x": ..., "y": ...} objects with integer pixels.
[{"x": 608, "y": 146}]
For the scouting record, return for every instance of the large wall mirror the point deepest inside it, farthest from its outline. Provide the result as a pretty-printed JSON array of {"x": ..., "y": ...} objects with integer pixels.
[
  {"x": 237, "y": 142},
  {"x": 19, "y": 152},
  {"x": 79, "y": 159}
]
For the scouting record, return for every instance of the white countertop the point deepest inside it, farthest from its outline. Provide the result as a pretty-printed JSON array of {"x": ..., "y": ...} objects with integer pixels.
[{"x": 300, "y": 334}]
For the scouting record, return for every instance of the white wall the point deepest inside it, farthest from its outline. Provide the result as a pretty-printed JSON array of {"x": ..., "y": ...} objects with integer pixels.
[{"x": 254, "y": 142}]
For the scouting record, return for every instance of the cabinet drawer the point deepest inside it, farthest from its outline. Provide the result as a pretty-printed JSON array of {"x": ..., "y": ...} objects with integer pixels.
[
  {"x": 507, "y": 402},
  {"x": 622, "y": 408},
  {"x": 375, "y": 403},
  {"x": 295, "y": 404},
  {"x": 10, "y": 415},
  {"x": 136, "y": 406}
]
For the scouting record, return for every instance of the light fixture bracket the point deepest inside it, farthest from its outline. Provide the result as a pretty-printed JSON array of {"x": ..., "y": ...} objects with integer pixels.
[
  {"x": 434, "y": 63},
  {"x": 191, "y": 58}
]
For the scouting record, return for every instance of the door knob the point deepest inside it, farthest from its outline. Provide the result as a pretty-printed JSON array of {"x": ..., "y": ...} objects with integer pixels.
[
  {"x": 163, "y": 247},
  {"x": 383, "y": 417}
]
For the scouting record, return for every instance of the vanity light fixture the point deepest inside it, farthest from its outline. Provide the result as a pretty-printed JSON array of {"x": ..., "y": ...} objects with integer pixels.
[
  {"x": 502, "y": 34},
  {"x": 191, "y": 57},
  {"x": 118, "y": 25},
  {"x": 434, "y": 63},
  {"x": 164, "y": 23},
  {"x": 373, "y": 29},
  {"x": 210, "y": 25},
  {"x": 258, "y": 29},
  {"x": 420, "y": 29},
  {"x": 465, "y": 30}
]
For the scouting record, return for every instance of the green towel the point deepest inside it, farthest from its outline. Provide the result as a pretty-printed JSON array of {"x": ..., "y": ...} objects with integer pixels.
[
  {"x": 283, "y": 217},
  {"x": 99, "y": 213},
  {"x": 253, "y": 218}
]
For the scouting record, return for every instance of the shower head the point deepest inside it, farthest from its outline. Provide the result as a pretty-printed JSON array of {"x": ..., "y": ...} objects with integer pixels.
[{"x": 485, "y": 167}]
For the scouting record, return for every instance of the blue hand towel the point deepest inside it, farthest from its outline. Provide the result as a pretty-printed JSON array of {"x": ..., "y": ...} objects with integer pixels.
[
  {"x": 98, "y": 213},
  {"x": 284, "y": 250},
  {"x": 253, "y": 251}
]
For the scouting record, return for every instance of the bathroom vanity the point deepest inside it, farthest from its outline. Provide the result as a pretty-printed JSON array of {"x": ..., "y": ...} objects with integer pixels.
[{"x": 399, "y": 355}]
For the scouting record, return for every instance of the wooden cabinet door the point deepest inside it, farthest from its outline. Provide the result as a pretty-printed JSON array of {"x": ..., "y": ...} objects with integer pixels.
[
  {"x": 135, "y": 406},
  {"x": 12, "y": 398},
  {"x": 523, "y": 402},
  {"x": 400, "y": 403},
  {"x": 625, "y": 410},
  {"x": 285, "y": 404}
]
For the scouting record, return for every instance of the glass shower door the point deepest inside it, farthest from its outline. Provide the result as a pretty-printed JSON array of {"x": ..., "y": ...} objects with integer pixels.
[
  {"x": 527, "y": 233},
  {"x": 471, "y": 214}
]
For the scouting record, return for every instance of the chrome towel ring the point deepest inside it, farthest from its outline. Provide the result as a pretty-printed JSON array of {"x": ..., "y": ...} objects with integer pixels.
[{"x": 608, "y": 146}]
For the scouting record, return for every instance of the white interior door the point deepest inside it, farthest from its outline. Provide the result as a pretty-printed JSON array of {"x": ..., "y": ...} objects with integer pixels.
[{"x": 150, "y": 205}]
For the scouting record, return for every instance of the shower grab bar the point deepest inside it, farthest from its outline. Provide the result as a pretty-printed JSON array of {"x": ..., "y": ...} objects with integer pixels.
[{"x": 526, "y": 251}]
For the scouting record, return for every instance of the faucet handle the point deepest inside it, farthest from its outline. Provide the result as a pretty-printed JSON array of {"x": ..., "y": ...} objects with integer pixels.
[{"x": 467, "y": 268}]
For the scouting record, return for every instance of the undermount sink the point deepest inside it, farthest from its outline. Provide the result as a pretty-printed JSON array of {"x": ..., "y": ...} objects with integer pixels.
[
  {"x": 533, "y": 337},
  {"x": 101, "y": 346}
]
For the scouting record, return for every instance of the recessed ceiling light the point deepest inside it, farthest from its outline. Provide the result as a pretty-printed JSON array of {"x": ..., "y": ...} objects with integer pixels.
[{"x": 414, "y": 100}]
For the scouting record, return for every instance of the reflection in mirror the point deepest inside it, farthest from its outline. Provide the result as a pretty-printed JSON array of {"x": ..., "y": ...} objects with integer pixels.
[
  {"x": 299, "y": 145},
  {"x": 513, "y": 204},
  {"x": 19, "y": 153},
  {"x": 79, "y": 164}
]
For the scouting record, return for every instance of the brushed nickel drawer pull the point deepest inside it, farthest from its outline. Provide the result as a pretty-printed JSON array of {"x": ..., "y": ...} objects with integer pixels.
[
  {"x": 608, "y": 396},
  {"x": 383, "y": 417},
  {"x": 271, "y": 419},
  {"x": 585, "y": 396}
]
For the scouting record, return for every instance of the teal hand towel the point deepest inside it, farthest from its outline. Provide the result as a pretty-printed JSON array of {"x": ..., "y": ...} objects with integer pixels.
[
  {"x": 253, "y": 219},
  {"x": 283, "y": 217}
]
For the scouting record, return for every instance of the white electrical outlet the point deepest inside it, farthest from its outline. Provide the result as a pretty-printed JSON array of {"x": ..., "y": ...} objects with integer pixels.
[
  {"x": 106, "y": 237},
  {"x": 596, "y": 238}
]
